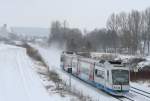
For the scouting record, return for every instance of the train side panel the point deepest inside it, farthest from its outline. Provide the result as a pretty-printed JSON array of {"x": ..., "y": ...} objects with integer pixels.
[
  {"x": 86, "y": 70},
  {"x": 99, "y": 77},
  {"x": 75, "y": 70},
  {"x": 67, "y": 62},
  {"x": 108, "y": 85}
]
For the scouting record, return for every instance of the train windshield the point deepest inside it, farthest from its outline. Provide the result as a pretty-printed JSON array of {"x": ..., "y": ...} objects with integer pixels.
[{"x": 120, "y": 77}]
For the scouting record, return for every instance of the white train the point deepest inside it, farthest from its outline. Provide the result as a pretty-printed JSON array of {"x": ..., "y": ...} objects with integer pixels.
[{"x": 110, "y": 76}]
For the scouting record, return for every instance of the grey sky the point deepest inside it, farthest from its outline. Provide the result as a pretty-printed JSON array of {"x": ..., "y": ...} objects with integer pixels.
[{"x": 87, "y": 14}]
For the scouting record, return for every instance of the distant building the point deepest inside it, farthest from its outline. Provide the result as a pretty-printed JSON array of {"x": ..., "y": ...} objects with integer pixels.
[{"x": 4, "y": 32}]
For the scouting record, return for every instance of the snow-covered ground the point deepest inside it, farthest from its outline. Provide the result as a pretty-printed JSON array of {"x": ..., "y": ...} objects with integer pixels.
[
  {"x": 141, "y": 85},
  {"x": 18, "y": 82}
]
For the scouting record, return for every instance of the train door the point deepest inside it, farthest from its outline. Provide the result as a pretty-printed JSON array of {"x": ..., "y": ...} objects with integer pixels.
[
  {"x": 68, "y": 62},
  {"x": 62, "y": 60},
  {"x": 75, "y": 66},
  {"x": 99, "y": 76},
  {"x": 84, "y": 70},
  {"x": 108, "y": 79},
  {"x": 78, "y": 67},
  {"x": 91, "y": 72}
]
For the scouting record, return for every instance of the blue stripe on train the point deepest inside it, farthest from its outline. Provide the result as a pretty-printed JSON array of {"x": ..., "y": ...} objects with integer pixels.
[{"x": 102, "y": 87}]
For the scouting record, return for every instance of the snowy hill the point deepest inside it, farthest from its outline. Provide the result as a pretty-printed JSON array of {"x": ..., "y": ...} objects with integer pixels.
[{"x": 31, "y": 31}]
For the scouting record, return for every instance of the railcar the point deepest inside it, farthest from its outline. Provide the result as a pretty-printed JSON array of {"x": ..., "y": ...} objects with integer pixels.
[{"x": 110, "y": 76}]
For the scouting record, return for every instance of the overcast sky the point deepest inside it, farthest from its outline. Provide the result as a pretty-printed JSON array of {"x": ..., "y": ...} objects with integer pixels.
[{"x": 87, "y": 14}]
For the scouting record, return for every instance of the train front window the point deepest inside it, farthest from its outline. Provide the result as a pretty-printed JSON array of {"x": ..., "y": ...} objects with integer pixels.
[{"x": 120, "y": 77}]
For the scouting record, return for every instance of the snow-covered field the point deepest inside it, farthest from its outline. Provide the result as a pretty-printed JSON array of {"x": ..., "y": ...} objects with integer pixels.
[{"x": 18, "y": 82}]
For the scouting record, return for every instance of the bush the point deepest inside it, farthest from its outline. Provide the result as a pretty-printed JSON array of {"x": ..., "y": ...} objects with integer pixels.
[
  {"x": 55, "y": 78},
  {"x": 136, "y": 60},
  {"x": 33, "y": 53},
  {"x": 140, "y": 75}
]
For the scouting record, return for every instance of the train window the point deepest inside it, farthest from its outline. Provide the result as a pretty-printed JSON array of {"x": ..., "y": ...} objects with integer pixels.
[
  {"x": 96, "y": 71},
  {"x": 120, "y": 76},
  {"x": 99, "y": 73},
  {"x": 84, "y": 69},
  {"x": 107, "y": 75},
  {"x": 62, "y": 58},
  {"x": 69, "y": 52}
]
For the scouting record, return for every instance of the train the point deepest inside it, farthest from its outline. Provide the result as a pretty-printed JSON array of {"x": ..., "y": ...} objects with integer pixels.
[{"x": 110, "y": 76}]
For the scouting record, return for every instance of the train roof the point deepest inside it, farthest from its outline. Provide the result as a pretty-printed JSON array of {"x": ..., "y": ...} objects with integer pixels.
[{"x": 111, "y": 64}]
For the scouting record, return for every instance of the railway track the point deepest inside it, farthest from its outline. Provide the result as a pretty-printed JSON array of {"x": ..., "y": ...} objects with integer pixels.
[
  {"x": 140, "y": 92},
  {"x": 136, "y": 94},
  {"x": 124, "y": 98}
]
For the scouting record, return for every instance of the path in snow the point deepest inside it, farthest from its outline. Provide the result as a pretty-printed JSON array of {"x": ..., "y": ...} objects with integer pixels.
[{"x": 18, "y": 82}]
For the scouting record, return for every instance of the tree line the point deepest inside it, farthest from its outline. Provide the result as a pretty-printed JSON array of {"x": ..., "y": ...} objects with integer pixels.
[{"x": 127, "y": 33}]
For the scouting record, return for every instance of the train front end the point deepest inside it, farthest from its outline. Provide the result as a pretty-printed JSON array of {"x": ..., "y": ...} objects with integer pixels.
[{"x": 120, "y": 81}]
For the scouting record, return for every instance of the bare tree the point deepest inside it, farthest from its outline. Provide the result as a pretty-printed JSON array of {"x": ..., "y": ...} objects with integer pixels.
[
  {"x": 147, "y": 32},
  {"x": 113, "y": 27},
  {"x": 55, "y": 31},
  {"x": 112, "y": 22},
  {"x": 134, "y": 27}
]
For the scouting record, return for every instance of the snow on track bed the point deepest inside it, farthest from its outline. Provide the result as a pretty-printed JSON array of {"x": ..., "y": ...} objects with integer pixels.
[
  {"x": 124, "y": 99},
  {"x": 140, "y": 86},
  {"x": 137, "y": 96},
  {"x": 141, "y": 92},
  {"x": 52, "y": 57}
]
